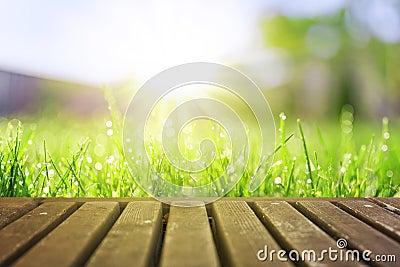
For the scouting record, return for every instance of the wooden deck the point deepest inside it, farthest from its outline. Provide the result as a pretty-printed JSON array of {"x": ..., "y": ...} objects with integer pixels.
[{"x": 229, "y": 232}]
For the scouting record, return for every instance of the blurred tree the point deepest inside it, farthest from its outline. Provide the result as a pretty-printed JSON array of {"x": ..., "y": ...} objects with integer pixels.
[{"x": 336, "y": 62}]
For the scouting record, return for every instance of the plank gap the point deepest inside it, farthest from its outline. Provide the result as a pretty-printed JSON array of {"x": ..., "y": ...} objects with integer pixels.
[
  {"x": 357, "y": 234},
  {"x": 134, "y": 239},
  {"x": 374, "y": 215},
  {"x": 74, "y": 240}
]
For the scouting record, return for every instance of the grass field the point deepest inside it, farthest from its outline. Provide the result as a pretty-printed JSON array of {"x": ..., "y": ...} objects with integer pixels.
[{"x": 342, "y": 158}]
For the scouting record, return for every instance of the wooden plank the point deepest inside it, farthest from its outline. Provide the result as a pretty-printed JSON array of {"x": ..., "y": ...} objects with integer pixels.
[
  {"x": 13, "y": 208},
  {"x": 188, "y": 239},
  {"x": 18, "y": 236},
  {"x": 71, "y": 243},
  {"x": 134, "y": 239},
  {"x": 358, "y": 234},
  {"x": 240, "y": 236},
  {"x": 392, "y": 201},
  {"x": 124, "y": 201},
  {"x": 296, "y": 232},
  {"x": 376, "y": 216},
  {"x": 392, "y": 204}
]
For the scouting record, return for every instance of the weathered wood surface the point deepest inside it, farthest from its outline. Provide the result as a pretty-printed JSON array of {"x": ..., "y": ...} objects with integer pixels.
[
  {"x": 17, "y": 237},
  {"x": 392, "y": 204},
  {"x": 357, "y": 234},
  {"x": 134, "y": 239},
  {"x": 374, "y": 215},
  {"x": 13, "y": 208},
  {"x": 74, "y": 240},
  {"x": 188, "y": 239},
  {"x": 295, "y": 232},
  {"x": 228, "y": 232},
  {"x": 240, "y": 235}
]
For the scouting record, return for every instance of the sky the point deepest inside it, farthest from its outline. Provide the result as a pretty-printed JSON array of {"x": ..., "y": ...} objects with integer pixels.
[
  {"x": 103, "y": 42},
  {"x": 99, "y": 42}
]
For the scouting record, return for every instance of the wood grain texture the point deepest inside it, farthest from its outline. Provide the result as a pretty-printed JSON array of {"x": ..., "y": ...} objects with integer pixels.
[
  {"x": 124, "y": 201},
  {"x": 376, "y": 216},
  {"x": 188, "y": 238},
  {"x": 72, "y": 242},
  {"x": 295, "y": 232},
  {"x": 391, "y": 204},
  {"x": 358, "y": 234},
  {"x": 134, "y": 239},
  {"x": 75, "y": 232},
  {"x": 240, "y": 235},
  {"x": 13, "y": 208},
  {"x": 18, "y": 236}
]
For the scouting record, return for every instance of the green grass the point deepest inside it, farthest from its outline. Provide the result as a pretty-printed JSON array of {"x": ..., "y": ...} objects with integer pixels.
[{"x": 53, "y": 157}]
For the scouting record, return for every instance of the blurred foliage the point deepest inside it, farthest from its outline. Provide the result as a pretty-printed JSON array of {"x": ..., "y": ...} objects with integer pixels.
[{"x": 362, "y": 72}]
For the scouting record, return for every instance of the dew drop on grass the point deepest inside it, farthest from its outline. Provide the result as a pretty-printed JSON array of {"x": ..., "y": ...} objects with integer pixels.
[
  {"x": 110, "y": 159},
  {"x": 89, "y": 160},
  {"x": 342, "y": 170},
  {"x": 279, "y": 162},
  {"x": 109, "y": 124},
  {"x": 389, "y": 173},
  {"x": 309, "y": 181},
  {"x": 278, "y": 180},
  {"x": 30, "y": 142},
  {"x": 46, "y": 190},
  {"x": 98, "y": 166},
  {"x": 386, "y": 135},
  {"x": 110, "y": 132},
  {"x": 384, "y": 148}
]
